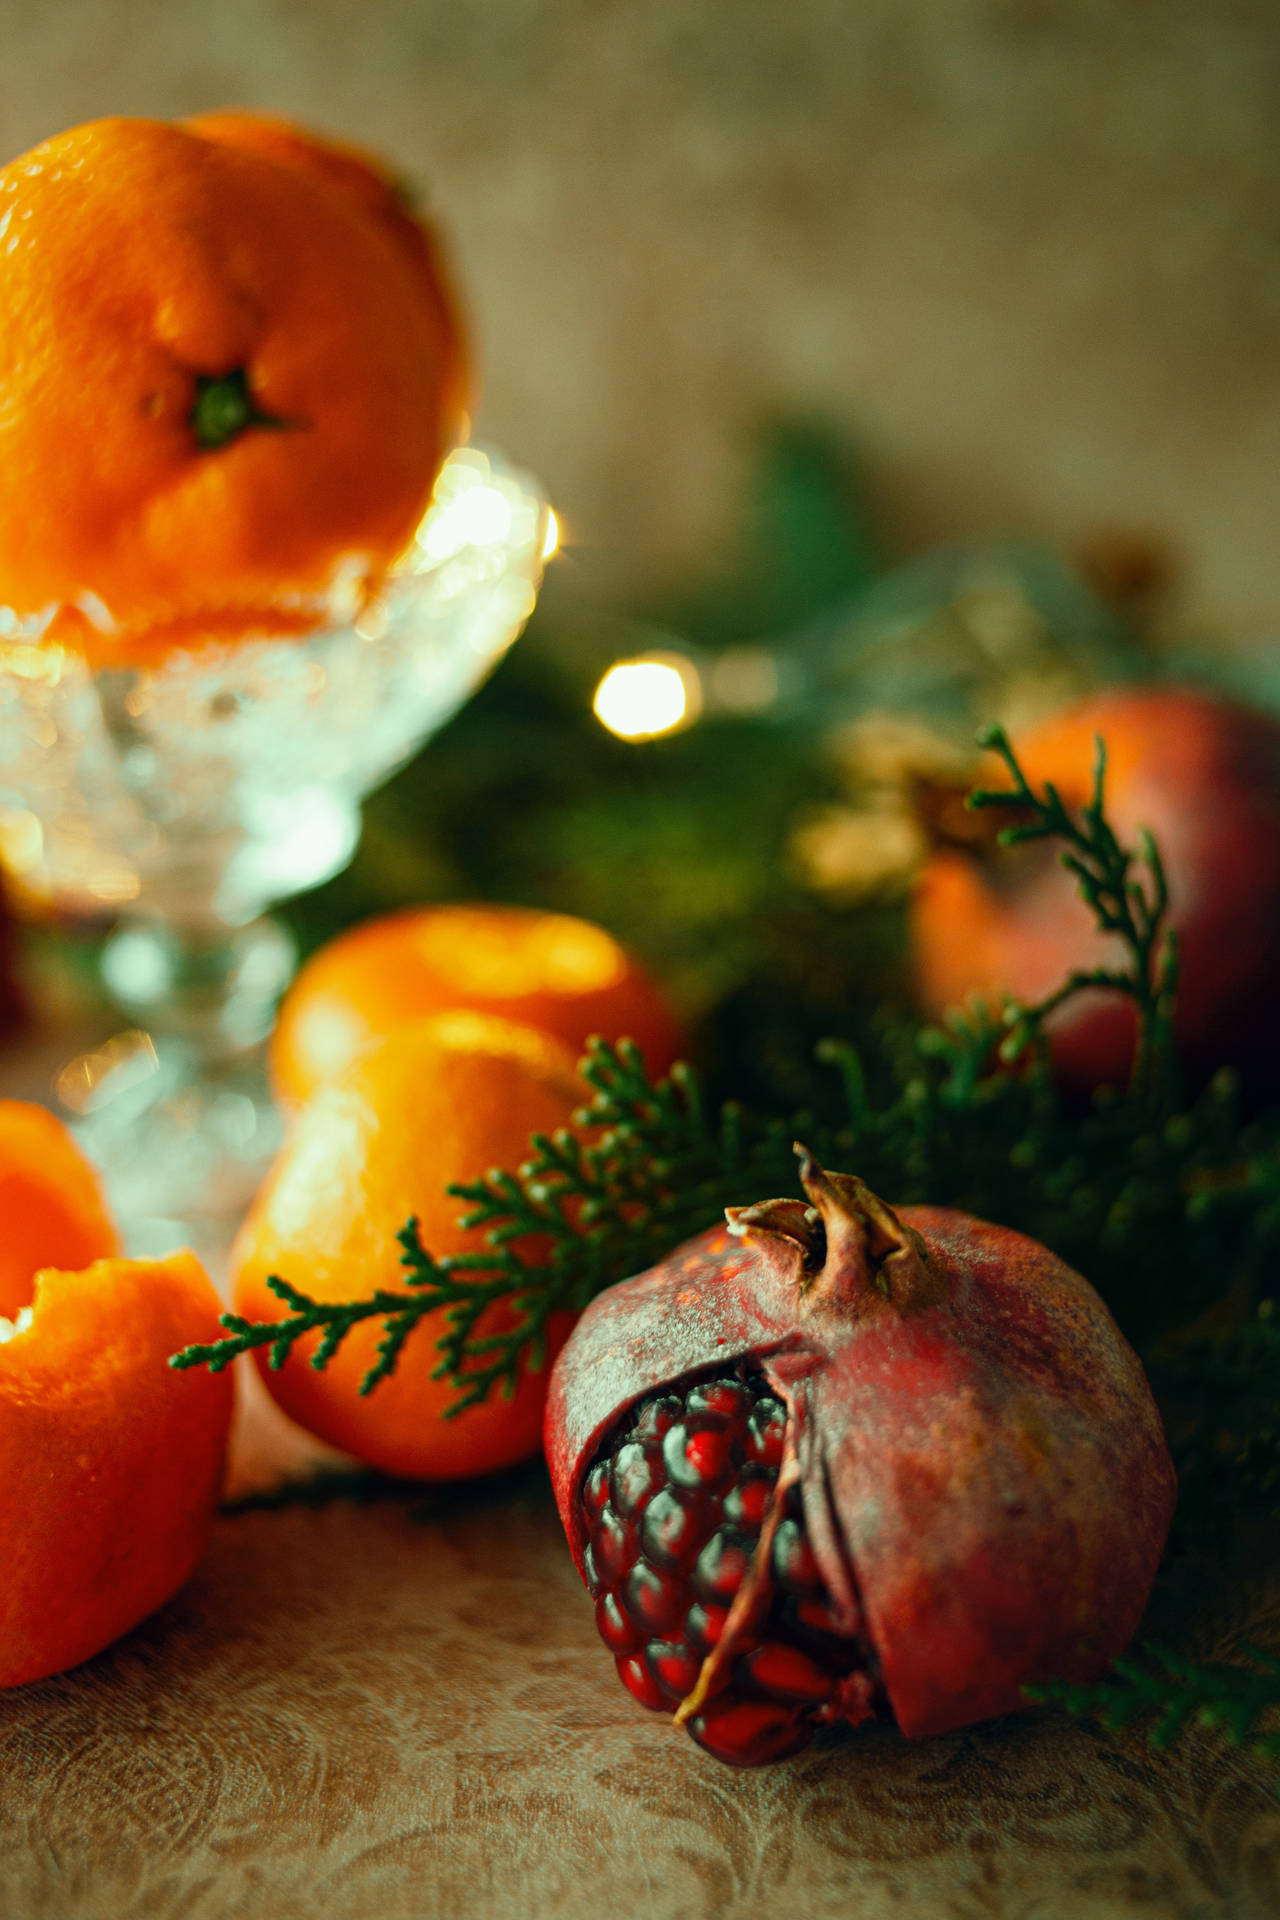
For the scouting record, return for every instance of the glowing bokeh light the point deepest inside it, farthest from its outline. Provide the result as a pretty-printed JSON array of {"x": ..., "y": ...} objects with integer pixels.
[
  {"x": 642, "y": 699},
  {"x": 551, "y": 535}
]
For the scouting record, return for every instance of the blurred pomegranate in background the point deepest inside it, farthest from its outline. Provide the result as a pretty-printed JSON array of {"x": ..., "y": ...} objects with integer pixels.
[{"x": 1203, "y": 775}]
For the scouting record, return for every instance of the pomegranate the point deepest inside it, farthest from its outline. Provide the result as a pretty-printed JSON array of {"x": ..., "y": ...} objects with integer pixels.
[
  {"x": 831, "y": 1462},
  {"x": 1203, "y": 775}
]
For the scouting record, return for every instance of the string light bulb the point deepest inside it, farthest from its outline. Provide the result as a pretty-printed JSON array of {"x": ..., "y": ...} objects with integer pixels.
[{"x": 643, "y": 699}]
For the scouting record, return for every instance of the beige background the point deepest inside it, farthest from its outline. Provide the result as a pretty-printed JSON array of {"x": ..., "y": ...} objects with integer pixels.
[{"x": 1030, "y": 249}]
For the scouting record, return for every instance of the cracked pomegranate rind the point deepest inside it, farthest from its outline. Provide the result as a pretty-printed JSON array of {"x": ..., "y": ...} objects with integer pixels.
[{"x": 832, "y": 1462}]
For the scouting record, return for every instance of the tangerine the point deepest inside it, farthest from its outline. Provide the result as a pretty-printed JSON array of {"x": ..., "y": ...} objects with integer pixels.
[
  {"x": 561, "y": 975},
  {"x": 440, "y": 1100},
  {"x": 229, "y": 382},
  {"x": 51, "y": 1203},
  {"x": 389, "y": 201},
  {"x": 110, "y": 1465}
]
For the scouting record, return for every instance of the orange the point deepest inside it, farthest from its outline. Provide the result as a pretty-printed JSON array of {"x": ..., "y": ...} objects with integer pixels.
[
  {"x": 50, "y": 1202},
  {"x": 229, "y": 381},
  {"x": 110, "y": 1463},
  {"x": 389, "y": 202},
  {"x": 442, "y": 1099},
  {"x": 564, "y": 976}
]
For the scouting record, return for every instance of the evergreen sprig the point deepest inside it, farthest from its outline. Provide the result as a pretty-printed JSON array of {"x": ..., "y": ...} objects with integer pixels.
[
  {"x": 434, "y": 1287},
  {"x": 1170, "y": 1695},
  {"x": 1128, "y": 896}
]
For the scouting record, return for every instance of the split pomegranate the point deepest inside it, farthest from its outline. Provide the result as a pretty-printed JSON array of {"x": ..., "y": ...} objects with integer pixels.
[{"x": 831, "y": 1463}]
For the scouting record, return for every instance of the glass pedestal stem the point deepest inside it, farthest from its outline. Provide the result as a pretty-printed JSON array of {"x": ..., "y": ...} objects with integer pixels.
[{"x": 175, "y": 1110}]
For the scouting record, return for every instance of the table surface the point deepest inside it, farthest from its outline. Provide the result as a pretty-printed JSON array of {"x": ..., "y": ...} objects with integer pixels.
[{"x": 399, "y": 1710}]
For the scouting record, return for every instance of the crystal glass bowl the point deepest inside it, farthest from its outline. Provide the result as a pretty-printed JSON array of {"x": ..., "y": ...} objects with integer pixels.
[{"x": 181, "y": 800}]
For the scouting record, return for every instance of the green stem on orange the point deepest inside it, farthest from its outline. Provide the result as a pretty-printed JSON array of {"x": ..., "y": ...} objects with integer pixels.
[{"x": 224, "y": 408}]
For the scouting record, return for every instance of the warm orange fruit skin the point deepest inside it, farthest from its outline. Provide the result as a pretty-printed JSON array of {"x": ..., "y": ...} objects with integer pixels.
[
  {"x": 51, "y": 1205},
  {"x": 140, "y": 255},
  {"x": 363, "y": 179},
  {"x": 110, "y": 1462},
  {"x": 442, "y": 1099},
  {"x": 546, "y": 970}
]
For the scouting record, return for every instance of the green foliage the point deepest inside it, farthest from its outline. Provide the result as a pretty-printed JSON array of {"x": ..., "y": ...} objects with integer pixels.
[
  {"x": 1170, "y": 1694},
  {"x": 1222, "y": 1395}
]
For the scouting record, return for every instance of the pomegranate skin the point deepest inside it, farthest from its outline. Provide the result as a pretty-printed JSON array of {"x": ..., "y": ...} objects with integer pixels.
[
  {"x": 983, "y": 1475},
  {"x": 1203, "y": 775}
]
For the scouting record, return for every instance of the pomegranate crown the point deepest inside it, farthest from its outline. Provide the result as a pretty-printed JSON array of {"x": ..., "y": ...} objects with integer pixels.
[{"x": 855, "y": 1253}]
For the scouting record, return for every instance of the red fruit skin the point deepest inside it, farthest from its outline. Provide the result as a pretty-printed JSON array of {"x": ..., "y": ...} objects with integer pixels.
[
  {"x": 982, "y": 1466},
  {"x": 1203, "y": 775}
]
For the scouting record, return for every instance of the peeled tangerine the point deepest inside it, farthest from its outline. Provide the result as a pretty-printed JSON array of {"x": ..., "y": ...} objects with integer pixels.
[
  {"x": 832, "y": 1464},
  {"x": 110, "y": 1465}
]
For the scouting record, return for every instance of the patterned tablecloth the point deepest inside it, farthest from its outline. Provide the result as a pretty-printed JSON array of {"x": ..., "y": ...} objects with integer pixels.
[{"x": 400, "y": 1711}]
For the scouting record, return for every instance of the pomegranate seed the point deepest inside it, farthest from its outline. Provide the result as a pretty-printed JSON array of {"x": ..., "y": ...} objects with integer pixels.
[
  {"x": 615, "y": 1544},
  {"x": 654, "y": 1600},
  {"x": 619, "y": 1634},
  {"x": 784, "y": 1674},
  {"x": 635, "y": 1473},
  {"x": 794, "y": 1566},
  {"x": 746, "y": 1504},
  {"x": 766, "y": 1431},
  {"x": 705, "y": 1624},
  {"x": 698, "y": 1459},
  {"x": 746, "y": 1733},
  {"x": 675, "y": 1529},
  {"x": 721, "y": 1566},
  {"x": 596, "y": 1490},
  {"x": 817, "y": 1617},
  {"x": 657, "y": 1415},
  {"x": 636, "y": 1676},
  {"x": 728, "y": 1398},
  {"x": 674, "y": 1668}
]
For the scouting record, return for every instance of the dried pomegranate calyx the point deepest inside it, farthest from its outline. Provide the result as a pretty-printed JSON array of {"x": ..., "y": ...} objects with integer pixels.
[{"x": 855, "y": 1251}]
